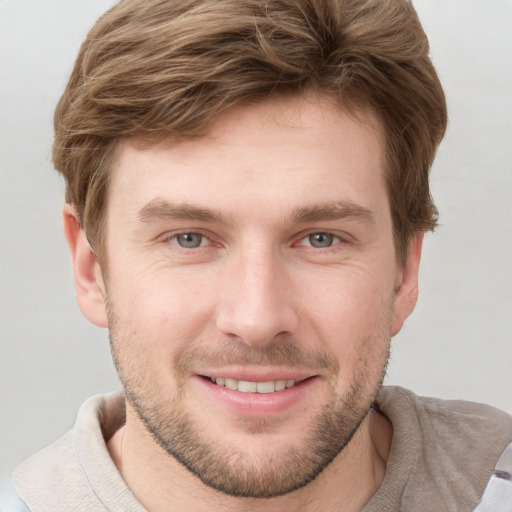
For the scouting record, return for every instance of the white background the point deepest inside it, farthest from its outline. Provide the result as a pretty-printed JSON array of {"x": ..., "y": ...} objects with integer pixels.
[{"x": 458, "y": 343}]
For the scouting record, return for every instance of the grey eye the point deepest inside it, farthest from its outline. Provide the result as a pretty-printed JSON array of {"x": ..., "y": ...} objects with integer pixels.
[
  {"x": 321, "y": 239},
  {"x": 189, "y": 240}
]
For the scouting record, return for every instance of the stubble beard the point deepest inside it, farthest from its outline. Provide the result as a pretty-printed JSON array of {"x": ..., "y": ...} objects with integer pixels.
[{"x": 216, "y": 462}]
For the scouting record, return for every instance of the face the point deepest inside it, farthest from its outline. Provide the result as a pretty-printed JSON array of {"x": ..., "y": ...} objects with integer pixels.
[{"x": 252, "y": 290}]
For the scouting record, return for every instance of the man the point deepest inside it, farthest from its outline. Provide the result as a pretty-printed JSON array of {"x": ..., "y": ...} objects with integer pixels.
[{"x": 247, "y": 191}]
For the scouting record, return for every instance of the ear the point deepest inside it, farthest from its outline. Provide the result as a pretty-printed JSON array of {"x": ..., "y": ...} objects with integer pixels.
[
  {"x": 406, "y": 288},
  {"x": 89, "y": 285}
]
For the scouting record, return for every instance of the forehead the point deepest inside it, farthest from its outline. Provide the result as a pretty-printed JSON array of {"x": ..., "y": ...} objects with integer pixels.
[{"x": 281, "y": 152}]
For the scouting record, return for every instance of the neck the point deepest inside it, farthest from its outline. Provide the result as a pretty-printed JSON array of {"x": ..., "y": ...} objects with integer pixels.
[{"x": 346, "y": 484}]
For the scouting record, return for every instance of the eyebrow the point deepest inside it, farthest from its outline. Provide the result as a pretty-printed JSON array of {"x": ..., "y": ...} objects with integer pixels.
[
  {"x": 163, "y": 210},
  {"x": 334, "y": 211}
]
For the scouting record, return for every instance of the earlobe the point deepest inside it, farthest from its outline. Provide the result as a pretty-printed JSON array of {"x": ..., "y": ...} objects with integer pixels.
[
  {"x": 89, "y": 285},
  {"x": 406, "y": 293}
]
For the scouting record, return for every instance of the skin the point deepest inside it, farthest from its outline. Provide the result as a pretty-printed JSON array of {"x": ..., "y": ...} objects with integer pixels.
[{"x": 295, "y": 275}]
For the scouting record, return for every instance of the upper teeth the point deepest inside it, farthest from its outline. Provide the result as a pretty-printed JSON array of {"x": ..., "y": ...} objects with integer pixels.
[{"x": 254, "y": 387}]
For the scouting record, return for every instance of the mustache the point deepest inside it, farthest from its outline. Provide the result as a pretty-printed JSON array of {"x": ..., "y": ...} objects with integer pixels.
[{"x": 278, "y": 352}]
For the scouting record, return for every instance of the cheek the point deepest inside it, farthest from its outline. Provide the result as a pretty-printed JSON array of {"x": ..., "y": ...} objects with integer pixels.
[
  {"x": 163, "y": 310},
  {"x": 351, "y": 316}
]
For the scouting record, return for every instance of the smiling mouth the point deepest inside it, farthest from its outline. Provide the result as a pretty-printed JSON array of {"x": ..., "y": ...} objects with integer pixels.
[{"x": 244, "y": 386}]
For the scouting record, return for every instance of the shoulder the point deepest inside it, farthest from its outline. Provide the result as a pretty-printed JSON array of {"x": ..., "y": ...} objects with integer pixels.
[
  {"x": 444, "y": 450},
  {"x": 65, "y": 475},
  {"x": 447, "y": 420}
]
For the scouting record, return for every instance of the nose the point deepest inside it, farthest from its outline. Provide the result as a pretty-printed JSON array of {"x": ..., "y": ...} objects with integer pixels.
[{"x": 256, "y": 302}]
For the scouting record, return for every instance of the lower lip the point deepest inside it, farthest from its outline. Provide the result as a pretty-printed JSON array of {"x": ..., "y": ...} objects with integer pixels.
[{"x": 257, "y": 404}]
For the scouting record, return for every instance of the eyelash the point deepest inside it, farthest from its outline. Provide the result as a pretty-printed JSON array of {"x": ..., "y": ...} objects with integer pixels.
[
  {"x": 331, "y": 237},
  {"x": 174, "y": 239}
]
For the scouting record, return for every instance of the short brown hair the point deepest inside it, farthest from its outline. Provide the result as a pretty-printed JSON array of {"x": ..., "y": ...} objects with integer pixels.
[{"x": 155, "y": 68}]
